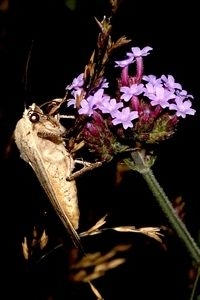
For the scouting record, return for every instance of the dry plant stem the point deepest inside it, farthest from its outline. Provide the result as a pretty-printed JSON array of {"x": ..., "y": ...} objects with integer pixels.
[{"x": 166, "y": 206}]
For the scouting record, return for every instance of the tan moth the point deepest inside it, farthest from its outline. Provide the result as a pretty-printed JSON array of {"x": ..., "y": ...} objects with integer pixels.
[{"x": 39, "y": 138}]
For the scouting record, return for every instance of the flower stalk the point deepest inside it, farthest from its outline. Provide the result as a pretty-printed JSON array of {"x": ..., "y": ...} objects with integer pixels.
[{"x": 139, "y": 164}]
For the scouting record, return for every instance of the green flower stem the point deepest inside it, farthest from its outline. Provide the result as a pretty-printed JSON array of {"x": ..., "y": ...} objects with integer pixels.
[
  {"x": 195, "y": 285},
  {"x": 139, "y": 164}
]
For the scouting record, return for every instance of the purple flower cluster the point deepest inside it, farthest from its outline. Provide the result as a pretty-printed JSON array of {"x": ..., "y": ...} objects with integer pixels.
[
  {"x": 148, "y": 106},
  {"x": 163, "y": 92}
]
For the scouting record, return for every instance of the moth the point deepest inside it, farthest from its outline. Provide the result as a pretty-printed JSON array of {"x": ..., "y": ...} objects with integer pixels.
[{"x": 40, "y": 140}]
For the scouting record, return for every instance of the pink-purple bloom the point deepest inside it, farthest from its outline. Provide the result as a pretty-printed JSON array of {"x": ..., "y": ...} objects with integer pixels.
[
  {"x": 169, "y": 83},
  {"x": 159, "y": 96},
  {"x": 137, "y": 52},
  {"x": 147, "y": 105},
  {"x": 110, "y": 106},
  {"x": 182, "y": 107},
  {"x": 76, "y": 83},
  {"x": 125, "y": 117},
  {"x": 151, "y": 79},
  {"x": 133, "y": 90},
  {"x": 124, "y": 63},
  {"x": 86, "y": 108}
]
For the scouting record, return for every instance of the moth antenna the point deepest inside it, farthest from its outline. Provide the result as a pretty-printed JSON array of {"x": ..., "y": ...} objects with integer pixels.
[{"x": 25, "y": 77}]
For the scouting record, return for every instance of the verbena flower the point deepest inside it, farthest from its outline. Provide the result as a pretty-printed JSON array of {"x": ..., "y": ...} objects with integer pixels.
[
  {"x": 182, "y": 107},
  {"x": 125, "y": 117},
  {"x": 142, "y": 109},
  {"x": 76, "y": 83}
]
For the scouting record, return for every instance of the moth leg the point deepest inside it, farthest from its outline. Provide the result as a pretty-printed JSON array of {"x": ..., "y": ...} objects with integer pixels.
[
  {"x": 87, "y": 166},
  {"x": 66, "y": 117}
]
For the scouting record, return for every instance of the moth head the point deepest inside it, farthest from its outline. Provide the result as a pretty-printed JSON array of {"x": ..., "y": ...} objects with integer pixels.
[
  {"x": 45, "y": 126},
  {"x": 34, "y": 113}
]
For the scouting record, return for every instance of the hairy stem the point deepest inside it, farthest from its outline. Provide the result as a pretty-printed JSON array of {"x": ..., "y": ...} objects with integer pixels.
[{"x": 140, "y": 165}]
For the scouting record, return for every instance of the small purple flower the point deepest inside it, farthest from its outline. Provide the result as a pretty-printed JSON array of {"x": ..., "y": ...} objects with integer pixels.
[
  {"x": 76, "y": 83},
  {"x": 152, "y": 79},
  {"x": 110, "y": 106},
  {"x": 86, "y": 108},
  {"x": 169, "y": 83},
  {"x": 149, "y": 89},
  {"x": 182, "y": 108},
  {"x": 137, "y": 52},
  {"x": 133, "y": 90},
  {"x": 183, "y": 94},
  {"x": 125, "y": 117},
  {"x": 124, "y": 63},
  {"x": 93, "y": 102},
  {"x": 96, "y": 99},
  {"x": 158, "y": 95}
]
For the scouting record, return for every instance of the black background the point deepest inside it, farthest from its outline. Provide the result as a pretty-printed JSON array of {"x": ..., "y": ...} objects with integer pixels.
[{"x": 59, "y": 43}]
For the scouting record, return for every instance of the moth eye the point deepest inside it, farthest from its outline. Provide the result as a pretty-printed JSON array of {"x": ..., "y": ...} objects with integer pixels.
[{"x": 34, "y": 117}]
